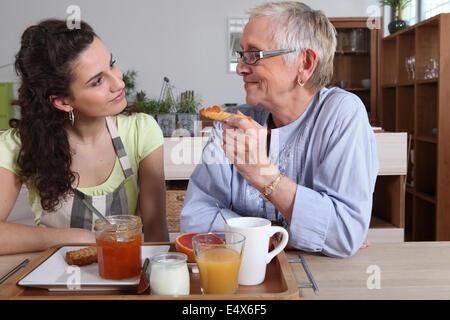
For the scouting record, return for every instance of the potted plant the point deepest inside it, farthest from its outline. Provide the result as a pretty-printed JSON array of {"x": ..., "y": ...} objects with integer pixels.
[
  {"x": 165, "y": 117},
  {"x": 188, "y": 118},
  {"x": 148, "y": 106},
  {"x": 397, "y": 7}
]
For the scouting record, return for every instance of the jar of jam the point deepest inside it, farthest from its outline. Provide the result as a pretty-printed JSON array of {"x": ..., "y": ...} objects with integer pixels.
[{"x": 119, "y": 246}]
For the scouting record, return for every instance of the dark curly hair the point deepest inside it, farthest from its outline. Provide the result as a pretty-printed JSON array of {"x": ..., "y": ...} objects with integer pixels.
[{"x": 44, "y": 63}]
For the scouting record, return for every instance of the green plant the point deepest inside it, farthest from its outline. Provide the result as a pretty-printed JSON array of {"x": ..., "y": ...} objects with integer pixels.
[
  {"x": 397, "y": 6},
  {"x": 141, "y": 96},
  {"x": 129, "y": 78},
  {"x": 165, "y": 106},
  {"x": 187, "y": 105},
  {"x": 150, "y": 106}
]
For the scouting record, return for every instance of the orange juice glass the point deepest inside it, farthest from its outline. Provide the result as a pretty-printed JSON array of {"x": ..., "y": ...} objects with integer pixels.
[
  {"x": 119, "y": 246},
  {"x": 218, "y": 256}
]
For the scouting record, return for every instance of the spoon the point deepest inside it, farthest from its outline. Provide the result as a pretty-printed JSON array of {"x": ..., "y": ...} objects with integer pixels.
[
  {"x": 143, "y": 280},
  {"x": 95, "y": 211},
  {"x": 221, "y": 214}
]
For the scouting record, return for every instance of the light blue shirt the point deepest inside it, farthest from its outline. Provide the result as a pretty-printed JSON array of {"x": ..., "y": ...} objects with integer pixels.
[{"x": 329, "y": 151}]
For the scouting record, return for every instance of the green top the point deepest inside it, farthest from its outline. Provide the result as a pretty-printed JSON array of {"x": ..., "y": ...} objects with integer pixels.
[{"x": 139, "y": 133}]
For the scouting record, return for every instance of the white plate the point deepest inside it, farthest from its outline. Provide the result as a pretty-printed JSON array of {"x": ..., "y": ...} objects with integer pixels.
[{"x": 55, "y": 274}]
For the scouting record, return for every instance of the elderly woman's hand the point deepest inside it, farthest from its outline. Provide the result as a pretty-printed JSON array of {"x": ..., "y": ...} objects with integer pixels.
[{"x": 245, "y": 144}]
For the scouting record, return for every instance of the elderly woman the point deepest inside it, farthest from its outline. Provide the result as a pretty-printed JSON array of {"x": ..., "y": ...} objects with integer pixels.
[{"x": 309, "y": 157}]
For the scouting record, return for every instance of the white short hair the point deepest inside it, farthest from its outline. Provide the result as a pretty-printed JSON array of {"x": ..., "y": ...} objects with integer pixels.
[{"x": 296, "y": 26}]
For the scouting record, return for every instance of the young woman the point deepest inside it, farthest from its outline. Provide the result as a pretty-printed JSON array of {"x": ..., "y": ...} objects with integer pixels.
[{"x": 76, "y": 141}]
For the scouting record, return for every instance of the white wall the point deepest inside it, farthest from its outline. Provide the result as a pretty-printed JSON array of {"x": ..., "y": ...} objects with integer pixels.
[{"x": 185, "y": 40}]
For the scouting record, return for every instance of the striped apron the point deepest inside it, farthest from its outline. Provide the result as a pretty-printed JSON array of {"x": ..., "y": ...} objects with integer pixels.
[{"x": 73, "y": 213}]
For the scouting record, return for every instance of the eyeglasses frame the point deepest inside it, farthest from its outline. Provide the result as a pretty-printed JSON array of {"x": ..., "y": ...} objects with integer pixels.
[{"x": 264, "y": 54}]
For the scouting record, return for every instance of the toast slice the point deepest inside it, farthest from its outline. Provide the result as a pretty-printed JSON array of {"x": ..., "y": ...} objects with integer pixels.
[
  {"x": 82, "y": 256},
  {"x": 214, "y": 113}
]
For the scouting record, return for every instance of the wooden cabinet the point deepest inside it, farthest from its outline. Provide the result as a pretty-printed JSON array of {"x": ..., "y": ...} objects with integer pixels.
[
  {"x": 415, "y": 98},
  {"x": 356, "y": 61},
  {"x": 388, "y": 211}
]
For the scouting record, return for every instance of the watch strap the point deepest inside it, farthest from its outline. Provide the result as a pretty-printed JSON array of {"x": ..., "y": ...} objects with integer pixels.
[{"x": 272, "y": 185}]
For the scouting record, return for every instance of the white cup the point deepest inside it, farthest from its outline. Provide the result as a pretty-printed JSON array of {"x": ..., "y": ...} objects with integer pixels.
[{"x": 256, "y": 256}]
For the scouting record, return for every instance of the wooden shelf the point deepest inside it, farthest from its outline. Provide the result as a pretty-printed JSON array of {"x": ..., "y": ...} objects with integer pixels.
[
  {"x": 405, "y": 109},
  {"x": 421, "y": 108},
  {"x": 425, "y": 81},
  {"x": 388, "y": 200},
  {"x": 425, "y": 167},
  {"x": 357, "y": 89},
  {"x": 388, "y": 108},
  {"x": 353, "y": 52},
  {"x": 424, "y": 196},
  {"x": 427, "y": 139},
  {"x": 431, "y": 21},
  {"x": 427, "y": 197},
  {"x": 376, "y": 223},
  {"x": 356, "y": 59},
  {"x": 406, "y": 84},
  {"x": 424, "y": 220}
]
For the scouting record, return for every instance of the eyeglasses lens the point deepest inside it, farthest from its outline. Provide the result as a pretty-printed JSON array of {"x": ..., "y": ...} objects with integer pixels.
[{"x": 249, "y": 56}]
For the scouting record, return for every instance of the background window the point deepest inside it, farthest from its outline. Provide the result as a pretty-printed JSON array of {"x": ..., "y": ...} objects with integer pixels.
[
  {"x": 235, "y": 30},
  {"x": 410, "y": 13},
  {"x": 431, "y": 8},
  {"x": 417, "y": 10}
]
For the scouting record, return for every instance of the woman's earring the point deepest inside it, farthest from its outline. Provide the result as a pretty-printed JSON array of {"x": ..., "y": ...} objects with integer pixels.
[
  {"x": 71, "y": 117},
  {"x": 299, "y": 83}
]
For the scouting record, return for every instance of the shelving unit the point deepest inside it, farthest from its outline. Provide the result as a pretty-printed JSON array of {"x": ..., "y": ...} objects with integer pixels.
[
  {"x": 421, "y": 107},
  {"x": 356, "y": 59}
]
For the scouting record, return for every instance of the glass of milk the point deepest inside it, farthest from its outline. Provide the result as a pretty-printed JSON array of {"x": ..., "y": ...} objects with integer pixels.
[{"x": 169, "y": 274}]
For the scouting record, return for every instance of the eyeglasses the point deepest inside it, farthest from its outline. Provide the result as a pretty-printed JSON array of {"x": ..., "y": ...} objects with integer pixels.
[{"x": 251, "y": 57}]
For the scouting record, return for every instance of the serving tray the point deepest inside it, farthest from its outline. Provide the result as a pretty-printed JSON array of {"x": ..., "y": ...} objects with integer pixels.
[
  {"x": 56, "y": 275},
  {"x": 279, "y": 284}
]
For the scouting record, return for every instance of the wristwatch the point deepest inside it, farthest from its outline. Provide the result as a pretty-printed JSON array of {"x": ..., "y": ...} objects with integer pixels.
[{"x": 267, "y": 190}]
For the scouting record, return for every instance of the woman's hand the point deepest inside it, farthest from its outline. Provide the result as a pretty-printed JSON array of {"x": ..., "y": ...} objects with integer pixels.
[{"x": 245, "y": 145}]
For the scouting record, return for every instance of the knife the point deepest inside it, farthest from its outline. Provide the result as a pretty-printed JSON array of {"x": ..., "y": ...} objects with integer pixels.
[
  {"x": 143, "y": 280},
  {"x": 17, "y": 268}
]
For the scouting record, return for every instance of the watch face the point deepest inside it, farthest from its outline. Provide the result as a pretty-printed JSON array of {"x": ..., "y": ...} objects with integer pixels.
[{"x": 267, "y": 190}]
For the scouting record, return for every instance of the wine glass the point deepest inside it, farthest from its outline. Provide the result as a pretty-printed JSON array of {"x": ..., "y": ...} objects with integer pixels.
[{"x": 408, "y": 67}]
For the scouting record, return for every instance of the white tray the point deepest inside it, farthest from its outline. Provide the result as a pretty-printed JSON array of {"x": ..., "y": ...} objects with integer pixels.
[{"x": 55, "y": 274}]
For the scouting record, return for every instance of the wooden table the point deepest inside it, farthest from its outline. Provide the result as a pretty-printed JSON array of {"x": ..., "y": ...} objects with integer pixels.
[{"x": 410, "y": 270}]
